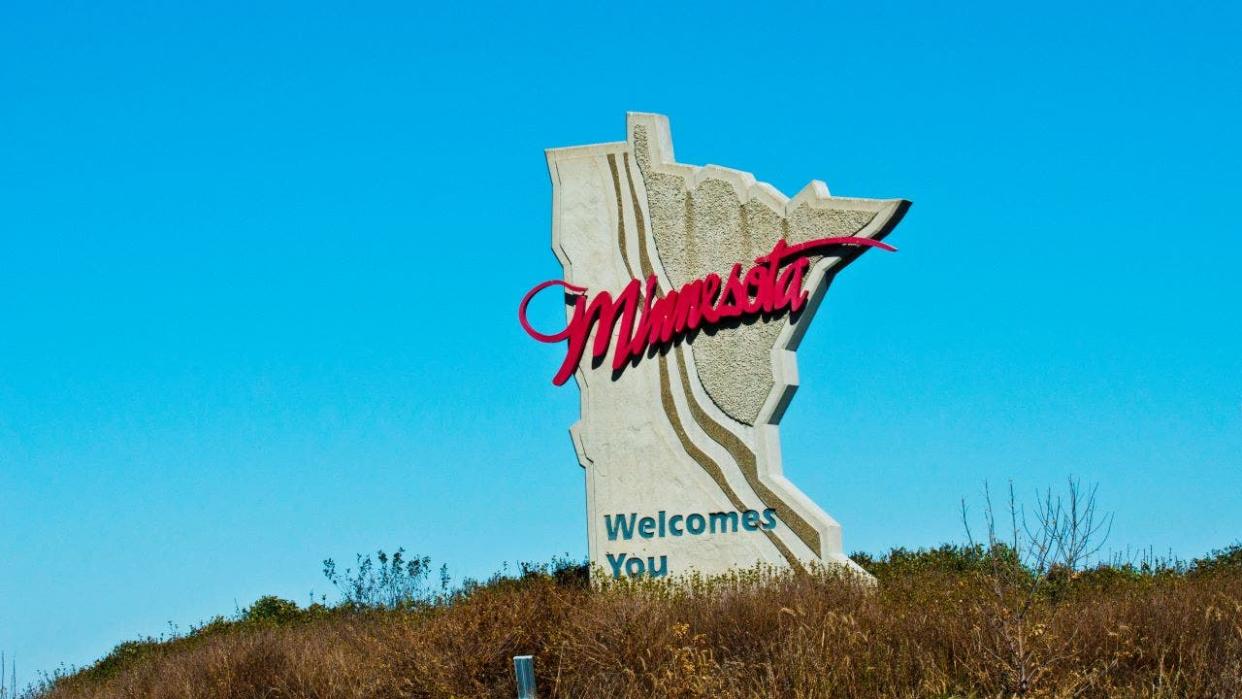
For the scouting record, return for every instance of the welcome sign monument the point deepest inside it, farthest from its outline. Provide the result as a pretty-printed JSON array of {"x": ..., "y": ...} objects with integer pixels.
[{"x": 687, "y": 291}]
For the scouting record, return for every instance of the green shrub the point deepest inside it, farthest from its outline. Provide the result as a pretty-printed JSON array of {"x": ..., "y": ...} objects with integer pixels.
[
  {"x": 945, "y": 559},
  {"x": 122, "y": 656},
  {"x": 270, "y": 609},
  {"x": 1228, "y": 559}
]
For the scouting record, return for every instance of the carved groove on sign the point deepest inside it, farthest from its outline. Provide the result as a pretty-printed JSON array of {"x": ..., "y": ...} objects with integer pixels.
[
  {"x": 737, "y": 449},
  {"x": 616, "y": 186},
  {"x": 711, "y": 467},
  {"x": 741, "y": 455},
  {"x": 745, "y": 459}
]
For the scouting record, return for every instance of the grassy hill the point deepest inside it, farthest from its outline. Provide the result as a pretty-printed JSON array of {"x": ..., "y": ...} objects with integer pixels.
[{"x": 953, "y": 621}]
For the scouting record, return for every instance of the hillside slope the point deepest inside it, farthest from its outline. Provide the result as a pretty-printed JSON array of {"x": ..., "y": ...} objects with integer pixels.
[{"x": 940, "y": 623}]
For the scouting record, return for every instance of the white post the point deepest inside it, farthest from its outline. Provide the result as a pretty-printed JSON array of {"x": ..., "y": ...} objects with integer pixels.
[{"x": 524, "y": 668}]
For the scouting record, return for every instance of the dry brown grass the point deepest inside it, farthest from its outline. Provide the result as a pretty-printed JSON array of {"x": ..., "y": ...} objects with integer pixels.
[{"x": 923, "y": 632}]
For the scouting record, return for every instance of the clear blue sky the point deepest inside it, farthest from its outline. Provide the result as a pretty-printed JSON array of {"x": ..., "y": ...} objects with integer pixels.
[{"x": 242, "y": 329}]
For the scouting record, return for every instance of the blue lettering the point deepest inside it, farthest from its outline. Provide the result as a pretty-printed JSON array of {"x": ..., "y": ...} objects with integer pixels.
[
  {"x": 769, "y": 518},
  {"x": 616, "y": 562},
  {"x": 721, "y": 521},
  {"x": 674, "y": 525},
  {"x": 750, "y": 520},
  {"x": 646, "y": 527},
  {"x": 619, "y": 525},
  {"x": 696, "y": 523}
]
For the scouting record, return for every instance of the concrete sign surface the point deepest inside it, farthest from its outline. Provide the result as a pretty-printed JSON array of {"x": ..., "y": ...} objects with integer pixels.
[{"x": 678, "y": 435}]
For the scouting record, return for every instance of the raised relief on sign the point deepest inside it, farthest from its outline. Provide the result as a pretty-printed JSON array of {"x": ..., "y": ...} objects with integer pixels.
[{"x": 687, "y": 290}]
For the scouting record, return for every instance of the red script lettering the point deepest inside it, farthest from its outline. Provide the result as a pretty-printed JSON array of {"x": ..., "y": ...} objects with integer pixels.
[{"x": 771, "y": 286}]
